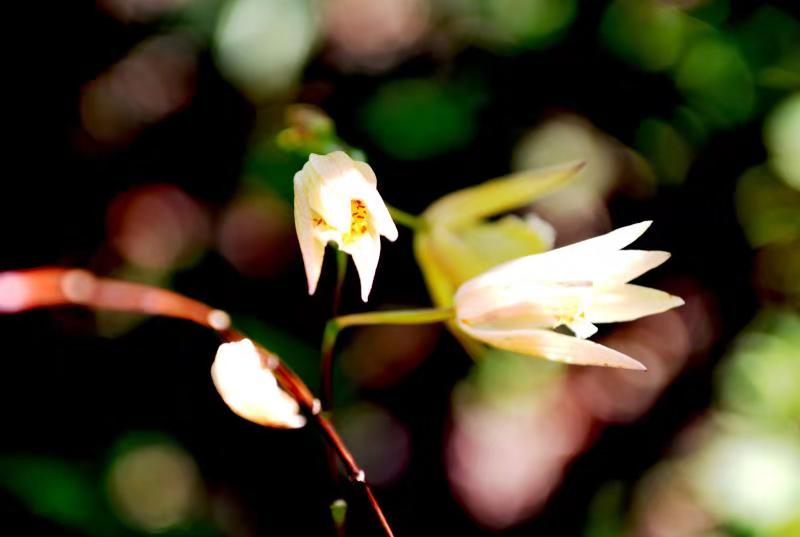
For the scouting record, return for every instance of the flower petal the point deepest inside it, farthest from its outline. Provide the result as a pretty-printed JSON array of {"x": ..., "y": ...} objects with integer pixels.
[
  {"x": 365, "y": 251},
  {"x": 340, "y": 182},
  {"x": 379, "y": 214},
  {"x": 367, "y": 171},
  {"x": 498, "y": 195},
  {"x": 552, "y": 346},
  {"x": 614, "y": 240},
  {"x": 629, "y": 302},
  {"x": 440, "y": 284},
  {"x": 572, "y": 269},
  {"x": 550, "y": 265},
  {"x": 311, "y": 247},
  {"x": 250, "y": 389}
]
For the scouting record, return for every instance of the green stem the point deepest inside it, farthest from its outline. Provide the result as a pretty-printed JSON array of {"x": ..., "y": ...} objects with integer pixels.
[
  {"x": 418, "y": 316},
  {"x": 341, "y": 272},
  {"x": 406, "y": 219},
  {"x": 326, "y": 366},
  {"x": 337, "y": 324}
]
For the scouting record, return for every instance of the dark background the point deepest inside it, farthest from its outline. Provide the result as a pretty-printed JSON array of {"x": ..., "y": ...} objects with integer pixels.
[{"x": 69, "y": 395}]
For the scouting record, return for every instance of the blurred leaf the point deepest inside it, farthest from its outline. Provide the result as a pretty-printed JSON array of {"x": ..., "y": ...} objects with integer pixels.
[
  {"x": 420, "y": 118},
  {"x": 717, "y": 81},
  {"x": 768, "y": 209},
  {"x": 665, "y": 148},
  {"x": 760, "y": 377},
  {"x": 646, "y": 33},
  {"x": 782, "y": 138},
  {"x": 777, "y": 267},
  {"x": 269, "y": 167},
  {"x": 516, "y": 24},
  {"x": 768, "y": 37},
  {"x": 606, "y": 512},
  {"x": 261, "y": 46},
  {"x": 59, "y": 491}
]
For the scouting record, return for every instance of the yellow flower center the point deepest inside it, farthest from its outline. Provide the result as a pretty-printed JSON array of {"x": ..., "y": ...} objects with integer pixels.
[{"x": 358, "y": 221}]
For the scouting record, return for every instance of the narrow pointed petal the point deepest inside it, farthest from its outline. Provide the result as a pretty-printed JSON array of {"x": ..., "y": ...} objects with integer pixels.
[
  {"x": 379, "y": 214},
  {"x": 311, "y": 248},
  {"x": 507, "y": 238},
  {"x": 366, "y": 252},
  {"x": 498, "y": 195},
  {"x": 553, "y": 346},
  {"x": 439, "y": 283},
  {"x": 614, "y": 240},
  {"x": 626, "y": 265},
  {"x": 572, "y": 268},
  {"x": 629, "y": 302}
]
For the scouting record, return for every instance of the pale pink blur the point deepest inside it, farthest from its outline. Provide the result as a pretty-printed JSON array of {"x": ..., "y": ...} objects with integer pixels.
[{"x": 504, "y": 464}]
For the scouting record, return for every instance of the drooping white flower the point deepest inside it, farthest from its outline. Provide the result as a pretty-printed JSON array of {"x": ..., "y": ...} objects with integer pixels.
[
  {"x": 515, "y": 306},
  {"x": 336, "y": 199},
  {"x": 247, "y": 385}
]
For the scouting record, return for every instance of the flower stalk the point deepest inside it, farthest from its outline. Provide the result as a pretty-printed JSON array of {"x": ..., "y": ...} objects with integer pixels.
[
  {"x": 408, "y": 220},
  {"x": 337, "y": 324}
]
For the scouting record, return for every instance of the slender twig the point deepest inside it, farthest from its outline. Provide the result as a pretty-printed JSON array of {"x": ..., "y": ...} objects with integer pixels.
[{"x": 57, "y": 286}]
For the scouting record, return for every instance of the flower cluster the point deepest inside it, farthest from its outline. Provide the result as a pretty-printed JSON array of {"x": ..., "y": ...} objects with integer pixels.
[{"x": 495, "y": 282}]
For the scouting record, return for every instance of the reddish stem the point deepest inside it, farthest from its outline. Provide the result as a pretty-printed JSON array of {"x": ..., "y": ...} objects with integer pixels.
[{"x": 58, "y": 286}]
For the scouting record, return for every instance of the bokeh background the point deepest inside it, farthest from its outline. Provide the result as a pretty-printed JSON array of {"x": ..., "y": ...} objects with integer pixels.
[{"x": 143, "y": 143}]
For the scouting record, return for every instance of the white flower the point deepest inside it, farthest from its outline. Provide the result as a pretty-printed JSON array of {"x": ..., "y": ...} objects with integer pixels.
[
  {"x": 248, "y": 386},
  {"x": 515, "y": 305},
  {"x": 336, "y": 199}
]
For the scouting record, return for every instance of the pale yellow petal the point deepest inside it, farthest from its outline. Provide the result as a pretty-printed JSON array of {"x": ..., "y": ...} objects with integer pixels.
[
  {"x": 368, "y": 173},
  {"x": 581, "y": 327},
  {"x": 576, "y": 262},
  {"x": 250, "y": 389},
  {"x": 508, "y": 238},
  {"x": 311, "y": 247},
  {"x": 614, "y": 240},
  {"x": 440, "y": 286},
  {"x": 498, "y": 195},
  {"x": 538, "y": 305},
  {"x": 455, "y": 256},
  {"x": 378, "y": 214},
  {"x": 365, "y": 251},
  {"x": 339, "y": 182},
  {"x": 552, "y": 346},
  {"x": 572, "y": 269},
  {"x": 629, "y": 302}
]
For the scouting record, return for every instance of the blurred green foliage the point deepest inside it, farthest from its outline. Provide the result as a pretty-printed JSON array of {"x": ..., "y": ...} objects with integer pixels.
[
  {"x": 759, "y": 379},
  {"x": 421, "y": 118},
  {"x": 60, "y": 491}
]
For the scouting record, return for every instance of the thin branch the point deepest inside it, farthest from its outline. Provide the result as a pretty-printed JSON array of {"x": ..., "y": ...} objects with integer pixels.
[{"x": 58, "y": 286}]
